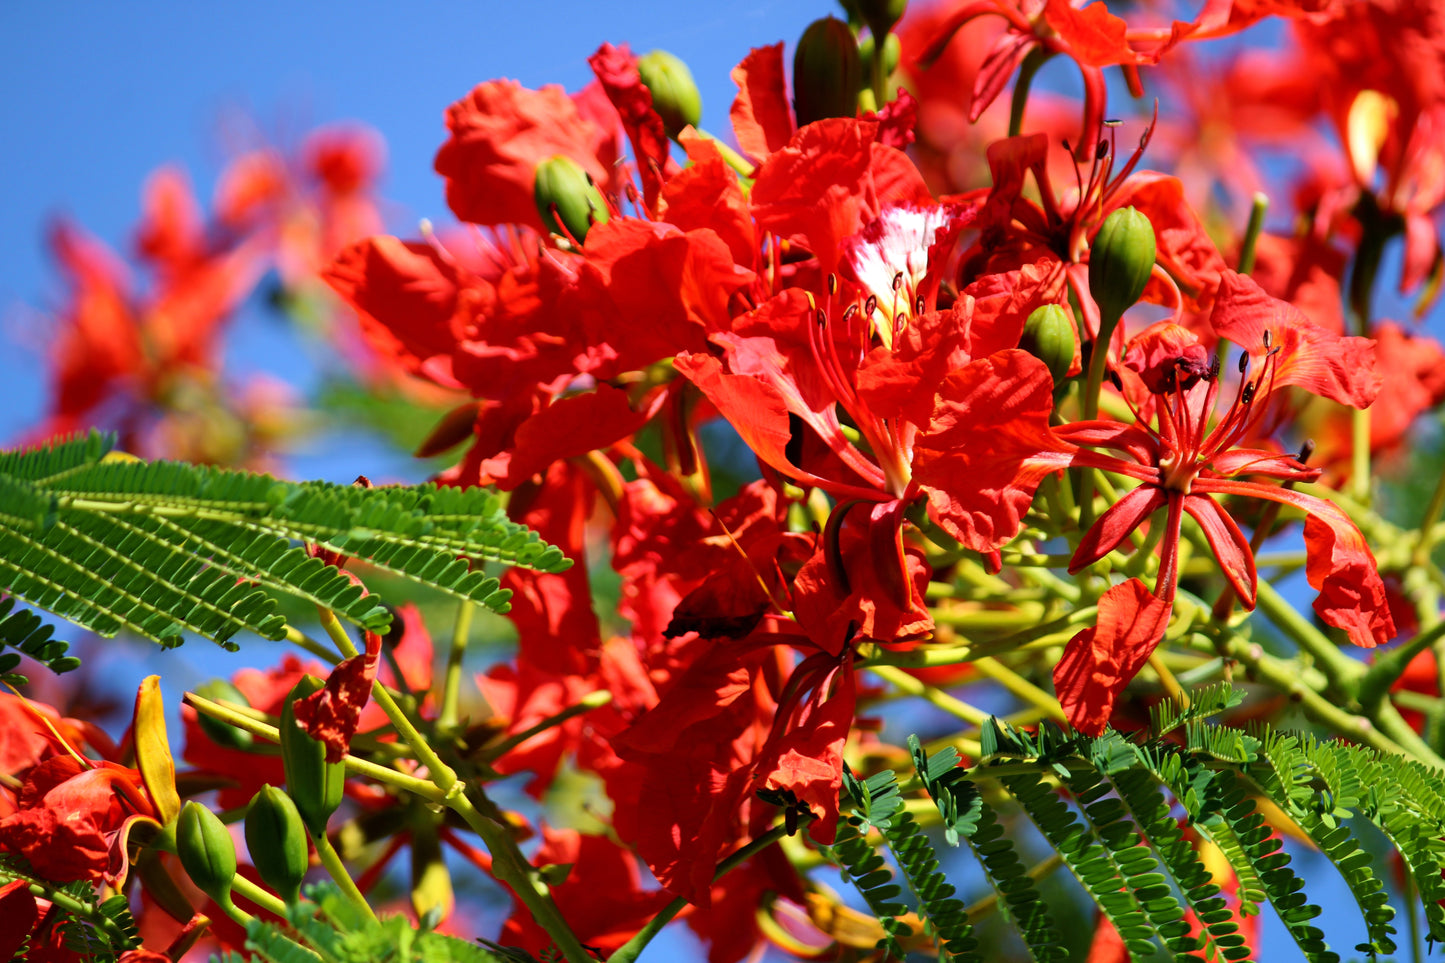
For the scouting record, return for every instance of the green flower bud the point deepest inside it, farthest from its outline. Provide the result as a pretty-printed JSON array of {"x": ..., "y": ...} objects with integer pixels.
[
  {"x": 881, "y": 15},
  {"x": 827, "y": 72},
  {"x": 892, "y": 51},
  {"x": 1120, "y": 261},
  {"x": 674, "y": 93},
  {"x": 276, "y": 838},
  {"x": 1049, "y": 336},
  {"x": 229, "y": 737},
  {"x": 204, "y": 845},
  {"x": 314, "y": 784},
  {"x": 563, "y": 190}
]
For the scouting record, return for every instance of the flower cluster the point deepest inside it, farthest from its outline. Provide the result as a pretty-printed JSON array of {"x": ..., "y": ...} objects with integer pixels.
[{"x": 872, "y": 405}]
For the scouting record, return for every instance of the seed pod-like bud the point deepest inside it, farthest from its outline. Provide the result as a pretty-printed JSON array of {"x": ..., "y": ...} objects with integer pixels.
[
  {"x": 209, "y": 856},
  {"x": 229, "y": 737},
  {"x": 674, "y": 92},
  {"x": 564, "y": 192},
  {"x": 1120, "y": 260},
  {"x": 1049, "y": 336},
  {"x": 314, "y": 784},
  {"x": 827, "y": 72},
  {"x": 892, "y": 51},
  {"x": 881, "y": 15},
  {"x": 276, "y": 838}
]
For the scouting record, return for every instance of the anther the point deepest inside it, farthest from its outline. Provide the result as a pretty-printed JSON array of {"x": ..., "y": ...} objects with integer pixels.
[
  {"x": 1103, "y": 148},
  {"x": 822, "y": 318},
  {"x": 1243, "y": 363},
  {"x": 1247, "y": 395},
  {"x": 898, "y": 281},
  {"x": 1305, "y": 451},
  {"x": 832, "y": 284},
  {"x": 1266, "y": 338},
  {"x": 870, "y": 305},
  {"x": 918, "y": 305},
  {"x": 848, "y": 314},
  {"x": 1118, "y": 382}
]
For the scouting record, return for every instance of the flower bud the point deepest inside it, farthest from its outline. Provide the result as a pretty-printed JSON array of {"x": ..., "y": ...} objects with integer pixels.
[
  {"x": 674, "y": 93},
  {"x": 892, "y": 51},
  {"x": 1120, "y": 261},
  {"x": 314, "y": 784},
  {"x": 276, "y": 838},
  {"x": 209, "y": 856},
  {"x": 226, "y": 736},
  {"x": 564, "y": 192},
  {"x": 827, "y": 72},
  {"x": 1049, "y": 336},
  {"x": 880, "y": 15}
]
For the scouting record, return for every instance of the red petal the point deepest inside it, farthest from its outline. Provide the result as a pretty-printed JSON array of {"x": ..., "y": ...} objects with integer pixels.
[
  {"x": 406, "y": 297},
  {"x": 1099, "y": 662},
  {"x": 1115, "y": 525},
  {"x": 988, "y": 446},
  {"x": 1339, "y": 564},
  {"x": 762, "y": 119},
  {"x": 1094, "y": 35},
  {"x": 500, "y": 132},
  {"x": 565, "y": 429},
  {"x": 1227, "y": 542},
  {"x": 1341, "y": 369},
  {"x": 809, "y": 757}
]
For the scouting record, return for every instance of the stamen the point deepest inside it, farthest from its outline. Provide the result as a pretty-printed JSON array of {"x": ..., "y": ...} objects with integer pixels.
[
  {"x": 870, "y": 306},
  {"x": 832, "y": 285},
  {"x": 898, "y": 281},
  {"x": 918, "y": 305},
  {"x": 1246, "y": 397},
  {"x": 1244, "y": 362},
  {"x": 848, "y": 314},
  {"x": 1266, "y": 338},
  {"x": 1305, "y": 451}
]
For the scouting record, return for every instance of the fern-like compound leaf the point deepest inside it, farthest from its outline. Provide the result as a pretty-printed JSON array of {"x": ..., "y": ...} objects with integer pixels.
[{"x": 165, "y": 549}]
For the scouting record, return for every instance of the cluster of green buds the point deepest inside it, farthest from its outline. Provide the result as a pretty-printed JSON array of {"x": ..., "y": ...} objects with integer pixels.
[{"x": 835, "y": 72}]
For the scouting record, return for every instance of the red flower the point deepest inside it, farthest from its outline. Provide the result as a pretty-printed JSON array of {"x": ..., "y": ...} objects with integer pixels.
[{"x": 991, "y": 427}]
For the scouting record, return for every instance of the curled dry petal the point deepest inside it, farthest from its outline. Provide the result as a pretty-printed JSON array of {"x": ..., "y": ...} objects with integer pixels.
[{"x": 332, "y": 713}]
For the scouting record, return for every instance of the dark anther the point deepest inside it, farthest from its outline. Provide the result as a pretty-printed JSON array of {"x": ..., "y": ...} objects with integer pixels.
[
  {"x": 1248, "y": 394},
  {"x": 1213, "y": 370},
  {"x": 821, "y": 318},
  {"x": 918, "y": 305},
  {"x": 1103, "y": 149},
  {"x": 848, "y": 314},
  {"x": 1305, "y": 451},
  {"x": 1065, "y": 143},
  {"x": 1266, "y": 337},
  {"x": 832, "y": 284},
  {"x": 898, "y": 281},
  {"x": 870, "y": 305},
  {"x": 1113, "y": 123},
  {"x": 1244, "y": 363}
]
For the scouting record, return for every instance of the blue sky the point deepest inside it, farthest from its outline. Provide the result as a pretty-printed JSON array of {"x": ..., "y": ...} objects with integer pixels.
[{"x": 99, "y": 95}]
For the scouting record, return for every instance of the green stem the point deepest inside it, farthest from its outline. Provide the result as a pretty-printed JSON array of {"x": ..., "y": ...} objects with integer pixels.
[
  {"x": 731, "y": 157},
  {"x": 331, "y": 859},
  {"x": 592, "y": 700},
  {"x": 1426, "y": 537},
  {"x": 935, "y": 696},
  {"x": 630, "y": 950},
  {"x": 1360, "y": 455},
  {"x": 262, "y": 898},
  {"x": 452, "y": 685},
  {"x": 1035, "y": 59},
  {"x": 1389, "y": 667},
  {"x": 1251, "y": 233},
  {"x": 74, "y": 907},
  {"x": 231, "y": 715},
  {"x": 1343, "y": 672},
  {"x": 879, "y": 79},
  {"x": 300, "y": 639}
]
